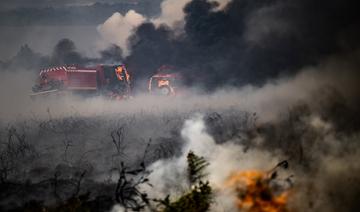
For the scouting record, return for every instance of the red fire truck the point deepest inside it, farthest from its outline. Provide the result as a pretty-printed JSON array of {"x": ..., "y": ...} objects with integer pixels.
[{"x": 109, "y": 80}]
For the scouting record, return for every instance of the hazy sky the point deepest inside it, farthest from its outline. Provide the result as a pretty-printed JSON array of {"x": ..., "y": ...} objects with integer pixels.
[
  {"x": 10, "y": 4},
  {"x": 42, "y": 29}
]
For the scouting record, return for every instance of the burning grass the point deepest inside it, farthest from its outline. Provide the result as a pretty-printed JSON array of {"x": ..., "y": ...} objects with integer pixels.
[{"x": 254, "y": 192}]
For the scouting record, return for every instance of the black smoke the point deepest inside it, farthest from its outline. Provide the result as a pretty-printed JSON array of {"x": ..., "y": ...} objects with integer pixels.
[
  {"x": 111, "y": 54},
  {"x": 249, "y": 41}
]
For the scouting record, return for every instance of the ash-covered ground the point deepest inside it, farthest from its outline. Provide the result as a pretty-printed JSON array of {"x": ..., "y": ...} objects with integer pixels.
[{"x": 55, "y": 149}]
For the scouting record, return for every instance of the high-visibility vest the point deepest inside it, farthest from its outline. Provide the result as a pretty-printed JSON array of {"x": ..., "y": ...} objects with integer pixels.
[{"x": 122, "y": 74}]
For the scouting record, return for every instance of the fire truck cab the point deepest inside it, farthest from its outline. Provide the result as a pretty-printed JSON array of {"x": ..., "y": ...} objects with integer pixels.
[{"x": 165, "y": 82}]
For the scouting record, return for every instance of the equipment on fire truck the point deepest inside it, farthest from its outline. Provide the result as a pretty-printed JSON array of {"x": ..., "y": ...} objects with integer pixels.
[{"x": 110, "y": 80}]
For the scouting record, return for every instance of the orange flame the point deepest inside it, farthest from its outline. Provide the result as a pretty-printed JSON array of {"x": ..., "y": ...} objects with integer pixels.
[{"x": 254, "y": 193}]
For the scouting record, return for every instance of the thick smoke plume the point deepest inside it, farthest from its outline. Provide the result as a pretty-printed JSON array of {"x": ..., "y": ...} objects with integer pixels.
[
  {"x": 224, "y": 158},
  {"x": 118, "y": 28},
  {"x": 246, "y": 41}
]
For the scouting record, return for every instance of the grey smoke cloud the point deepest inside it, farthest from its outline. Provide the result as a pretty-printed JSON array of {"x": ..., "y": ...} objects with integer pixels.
[
  {"x": 265, "y": 22},
  {"x": 268, "y": 100}
]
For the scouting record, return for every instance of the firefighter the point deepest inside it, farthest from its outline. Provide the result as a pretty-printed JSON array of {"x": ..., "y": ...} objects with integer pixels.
[
  {"x": 122, "y": 74},
  {"x": 124, "y": 77}
]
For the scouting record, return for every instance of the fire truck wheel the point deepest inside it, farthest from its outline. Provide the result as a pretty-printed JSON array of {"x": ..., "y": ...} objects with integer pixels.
[
  {"x": 36, "y": 88},
  {"x": 164, "y": 90}
]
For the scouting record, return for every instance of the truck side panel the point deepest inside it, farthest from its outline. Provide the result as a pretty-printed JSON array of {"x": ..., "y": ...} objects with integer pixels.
[{"x": 82, "y": 80}]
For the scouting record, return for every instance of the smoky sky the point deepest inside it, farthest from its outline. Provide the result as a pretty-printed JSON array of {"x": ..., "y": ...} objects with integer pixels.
[
  {"x": 250, "y": 41},
  {"x": 57, "y": 12},
  {"x": 247, "y": 42},
  {"x": 24, "y": 22}
]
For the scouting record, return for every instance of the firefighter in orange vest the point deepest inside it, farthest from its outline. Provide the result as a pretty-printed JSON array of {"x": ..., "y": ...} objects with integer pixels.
[
  {"x": 122, "y": 74},
  {"x": 124, "y": 77}
]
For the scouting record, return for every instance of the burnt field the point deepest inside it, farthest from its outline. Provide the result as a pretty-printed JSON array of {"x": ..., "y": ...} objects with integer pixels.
[{"x": 297, "y": 137}]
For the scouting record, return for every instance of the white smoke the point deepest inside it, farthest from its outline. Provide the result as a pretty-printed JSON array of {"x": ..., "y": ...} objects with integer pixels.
[
  {"x": 118, "y": 28},
  {"x": 118, "y": 208},
  {"x": 171, "y": 12},
  {"x": 222, "y": 3},
  {"x": 169, "y": 176}
]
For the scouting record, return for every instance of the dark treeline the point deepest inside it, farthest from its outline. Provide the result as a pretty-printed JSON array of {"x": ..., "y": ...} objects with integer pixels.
[{"x": 64, "y": 52}]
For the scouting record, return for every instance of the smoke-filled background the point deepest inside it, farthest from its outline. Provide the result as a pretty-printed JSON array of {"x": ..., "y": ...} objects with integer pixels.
[{"x": 266, "y": 81}]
